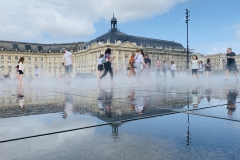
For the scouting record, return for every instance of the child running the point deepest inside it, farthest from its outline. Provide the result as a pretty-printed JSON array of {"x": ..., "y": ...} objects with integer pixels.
[
  {"x": 20, "y": 70},
  {"x": 195, "y": 67},
  {"x": 62, "y": 74},
  {"x": 100, "y": 66}
]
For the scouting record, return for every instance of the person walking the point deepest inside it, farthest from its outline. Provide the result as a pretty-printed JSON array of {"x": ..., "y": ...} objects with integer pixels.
[
  {"x": 142, "y": 53},
  {"x": 147, "y": 61},
  {"x": 36, "y": 74},
  {"x": 68, "y": 62},
  {"x": 100, "y": 66},
  {"x": 158, "y": 68},
  {"x": 131, "y": 69},
  {"x": 21, "y": 69},
  {"x": 201, "y": 68},
  {"x": 165, "y": 67},
  {"x": 107, "y": 65},
  {"x": 231, "y": 64},
  {"x": 173, "y": 69},
  {"x": 208, "y": 67},
  {"x": 137, "y": 64},
  {"x": 195, "y": 66}
]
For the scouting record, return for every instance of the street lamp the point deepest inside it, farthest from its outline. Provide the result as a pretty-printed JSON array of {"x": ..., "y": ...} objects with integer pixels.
[{"x": 187, "y": 19}]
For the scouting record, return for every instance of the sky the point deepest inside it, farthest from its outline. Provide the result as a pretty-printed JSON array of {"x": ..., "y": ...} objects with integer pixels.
[{"x": 213, "y": 27}]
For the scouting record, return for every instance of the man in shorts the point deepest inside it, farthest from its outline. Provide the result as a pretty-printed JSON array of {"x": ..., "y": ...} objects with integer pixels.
[
  {"x": 231, "y": 63},
  {"x": 68, "y": 62}
]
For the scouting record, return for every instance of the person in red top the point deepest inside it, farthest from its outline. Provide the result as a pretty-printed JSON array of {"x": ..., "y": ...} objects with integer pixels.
[{"x": 131, "y": 69}]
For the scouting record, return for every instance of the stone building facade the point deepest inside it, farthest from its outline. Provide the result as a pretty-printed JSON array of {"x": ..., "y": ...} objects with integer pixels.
[{"x": 48, "y": 58}]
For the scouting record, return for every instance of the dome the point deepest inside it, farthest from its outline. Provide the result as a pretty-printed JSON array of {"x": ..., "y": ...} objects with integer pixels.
[{"x": 113, "y": 18}]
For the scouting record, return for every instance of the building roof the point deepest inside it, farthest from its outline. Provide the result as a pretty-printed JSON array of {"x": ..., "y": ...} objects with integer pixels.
[
  {"x": 115, "y": 35},
  {"x": 37, "y": 47}
]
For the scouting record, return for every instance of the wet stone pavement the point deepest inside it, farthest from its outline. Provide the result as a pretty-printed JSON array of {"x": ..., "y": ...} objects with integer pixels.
[{"x": 164, "y": 120}]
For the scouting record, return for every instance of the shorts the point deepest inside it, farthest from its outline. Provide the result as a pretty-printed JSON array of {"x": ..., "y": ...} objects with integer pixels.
[
  {"x": 194, "y": 71},
  {"x": 36, "y": 75},
  {"x": 232, "y": 67},
  {"x": 208, "y": 69},
  {"x": 68, "y": 69},
  {"x": 20, "y": 71},
  {"x": 201, "y": 72},
  {"x": 100, "y": 67}
]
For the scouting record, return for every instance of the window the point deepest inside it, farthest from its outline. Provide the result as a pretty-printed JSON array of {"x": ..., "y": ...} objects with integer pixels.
[
  {"x": 119, "y": 60},
  {"x": 16, "y": 57},
  {"x": 2, "y": 57},
  {"x": 55, "y": 64},
  {"x": 41, "y": 65},
  {"x": 9, "y": 57},
  {"x": 35, "y": 58},
  {"x": 41, "y": 58},
  {"x": 29, "y": 58},
  {"x": 2, "y": 63},
  {"x": 49, "y": 65},
  {"x": 54, "y": 58},
  {"x": 119, "y": 52},
  {"x": 9, "y": 64},
  {"x": 29, "y": 64},
  {"x": 49, "y": 59}
]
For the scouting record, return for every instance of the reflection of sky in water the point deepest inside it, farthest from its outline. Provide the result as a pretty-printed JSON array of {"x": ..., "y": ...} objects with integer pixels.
[
  {"x": 39, "y": 124},
  {"x": 159, "y": 138},
  {"x": 155, "y": 138}
]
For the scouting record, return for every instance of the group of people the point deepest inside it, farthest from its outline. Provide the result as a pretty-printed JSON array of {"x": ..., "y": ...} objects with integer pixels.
[
  {"x": 138, "y": 63},
  {"x": 198, "y": 66}
]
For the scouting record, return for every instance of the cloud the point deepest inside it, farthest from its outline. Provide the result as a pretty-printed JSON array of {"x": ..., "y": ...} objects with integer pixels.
[
  {"x": 42, "y": 20},
  {"x": 217, "y": 47}
]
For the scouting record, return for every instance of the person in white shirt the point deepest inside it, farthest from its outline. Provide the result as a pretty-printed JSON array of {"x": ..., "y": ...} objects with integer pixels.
[
  {"x": 20, "y": 69},
  {"x": 68, "y": 61},
  {"x": 195, "y": 66},
  {"x": 36, "y": 72},
  {"x": 137, "y": 64},
  {"x": 173, "y": 69}
]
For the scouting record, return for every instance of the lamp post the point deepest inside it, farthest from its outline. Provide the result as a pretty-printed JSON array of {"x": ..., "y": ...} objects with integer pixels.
[{"x": 187, "y": 19}]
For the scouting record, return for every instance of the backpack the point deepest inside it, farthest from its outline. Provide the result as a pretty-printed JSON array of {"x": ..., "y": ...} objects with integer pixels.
[
  {"x": 104, "y": 59},
  {"x": 17, "y": 67}
]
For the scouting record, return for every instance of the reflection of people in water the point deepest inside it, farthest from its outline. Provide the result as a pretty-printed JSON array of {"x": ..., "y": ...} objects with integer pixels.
[
  {"x": 20, "y": 97},
  {"x": 173, "y": 93},
  {"x": 137, "y": 102},
  {"x": 208, "y": 94},
  {"x": 195, "y": 97},
  {"x": 107, "y": 102},
  {"x": 67, "y": 105},
  {"x": 231, "y": 97}
]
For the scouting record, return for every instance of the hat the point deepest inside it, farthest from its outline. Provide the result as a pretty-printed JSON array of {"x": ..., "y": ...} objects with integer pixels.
[{"x": 62, "y": 49}]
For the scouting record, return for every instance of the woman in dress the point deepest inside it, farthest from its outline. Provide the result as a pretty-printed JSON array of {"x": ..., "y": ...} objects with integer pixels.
[{"x": 208, "y": 67}]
